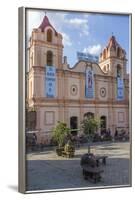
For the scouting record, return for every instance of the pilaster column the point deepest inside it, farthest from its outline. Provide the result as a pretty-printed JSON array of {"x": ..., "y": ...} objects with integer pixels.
[
  {"x": 66, "y": 115},
  {"x": 82, "y": 95},
  {"x": 96, "y": 90}
]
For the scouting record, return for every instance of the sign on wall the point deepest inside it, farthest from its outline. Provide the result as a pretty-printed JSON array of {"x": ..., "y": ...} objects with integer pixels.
[
  {"x": 120, "y": 89},
  {"x": 50, "y": 81},
  {"x": 89, "y": 86},
  {"x": 87, "y": 57}
]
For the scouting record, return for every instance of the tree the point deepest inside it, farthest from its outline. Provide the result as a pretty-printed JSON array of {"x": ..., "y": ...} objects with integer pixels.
[
  {"x": 89, "y": 126},
  {"x": 60, "y": 132}
]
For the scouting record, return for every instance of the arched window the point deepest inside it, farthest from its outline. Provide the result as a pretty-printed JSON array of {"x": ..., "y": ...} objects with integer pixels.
[
  {"x": 119, "y": 71},
  {"x": 49, "y": 35},
  {"x": 104, "y": 54},
  {"x": 103, "y": 123},
  {"x": 49, "y": 61},
  {"x": 107, "y": 67},
  {"x": 74, "y": 124}
]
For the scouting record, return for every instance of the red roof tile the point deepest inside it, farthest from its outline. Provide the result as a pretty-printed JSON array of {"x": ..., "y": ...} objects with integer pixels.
[
  {"x": 113, "y": 43},
  {"x": 45, "y": 23}
]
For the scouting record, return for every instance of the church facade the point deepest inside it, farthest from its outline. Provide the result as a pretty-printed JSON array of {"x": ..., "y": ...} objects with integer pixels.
[{"x": 58, "y": 92}]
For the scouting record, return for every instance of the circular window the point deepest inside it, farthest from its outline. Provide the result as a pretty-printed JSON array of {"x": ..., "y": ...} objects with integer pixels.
[
  {"x": 73, "y": 90},
  {"x": 102, "y": 92}
]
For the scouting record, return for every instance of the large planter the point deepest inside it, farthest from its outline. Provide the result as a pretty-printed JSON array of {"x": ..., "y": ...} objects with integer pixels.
[
  {"x": 69, "y": 150},
  {"x": 88, "y": 159},
  {"x": 59, "y": 150}
]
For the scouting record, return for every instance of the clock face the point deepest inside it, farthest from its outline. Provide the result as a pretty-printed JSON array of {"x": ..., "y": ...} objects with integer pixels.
[
  {"x": 102, "y": 92},
  {"x": 74, "y": 90}
]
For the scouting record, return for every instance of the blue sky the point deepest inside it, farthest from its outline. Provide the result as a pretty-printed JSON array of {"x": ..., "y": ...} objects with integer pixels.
[{"x": 85, "y": 32}]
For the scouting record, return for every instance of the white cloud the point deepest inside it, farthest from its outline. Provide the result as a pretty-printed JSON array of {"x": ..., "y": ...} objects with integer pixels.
[
  {"x": 86, "y": 15},
  {"x": 59, "y": 21},
  {"x": 34, "y": 19},
  {"x": 95, "y": 49},
  {"x": 80, "y": 24},
  {"x": 66, "y": 40},
  {"x": 85, "y": 29},
  {"x": 77, "y": 22}
]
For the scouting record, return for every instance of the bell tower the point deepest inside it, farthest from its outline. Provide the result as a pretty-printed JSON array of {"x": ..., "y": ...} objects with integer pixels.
[
  {"x": 113, "y": 59},
  {"x": 45, "y": 49},
  {"x": 45, "y": 46}
]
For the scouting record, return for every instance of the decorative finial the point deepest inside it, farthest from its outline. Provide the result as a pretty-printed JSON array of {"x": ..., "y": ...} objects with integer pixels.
[
  {"x": 112, "y": 34},
  {"x": 45, "y": 13}
]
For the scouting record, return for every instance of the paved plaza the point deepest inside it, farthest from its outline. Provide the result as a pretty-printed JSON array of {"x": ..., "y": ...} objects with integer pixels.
[{"x": 46, "y": 170}]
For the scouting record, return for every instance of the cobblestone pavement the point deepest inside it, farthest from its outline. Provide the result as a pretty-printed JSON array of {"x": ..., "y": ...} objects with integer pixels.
[{"x": 47, "y": 171}]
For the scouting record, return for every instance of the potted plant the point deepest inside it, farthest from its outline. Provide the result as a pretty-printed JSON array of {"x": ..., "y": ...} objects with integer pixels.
[
  {"x": 60, "y": 132},
  {"x": 69, "y": 149},
  {"x": 89, "y": 126}
]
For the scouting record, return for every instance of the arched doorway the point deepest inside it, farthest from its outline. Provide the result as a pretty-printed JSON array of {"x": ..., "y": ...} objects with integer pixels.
[
  {"x": 103, "y": 124},
  {"x": 74, "y": 124}
]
